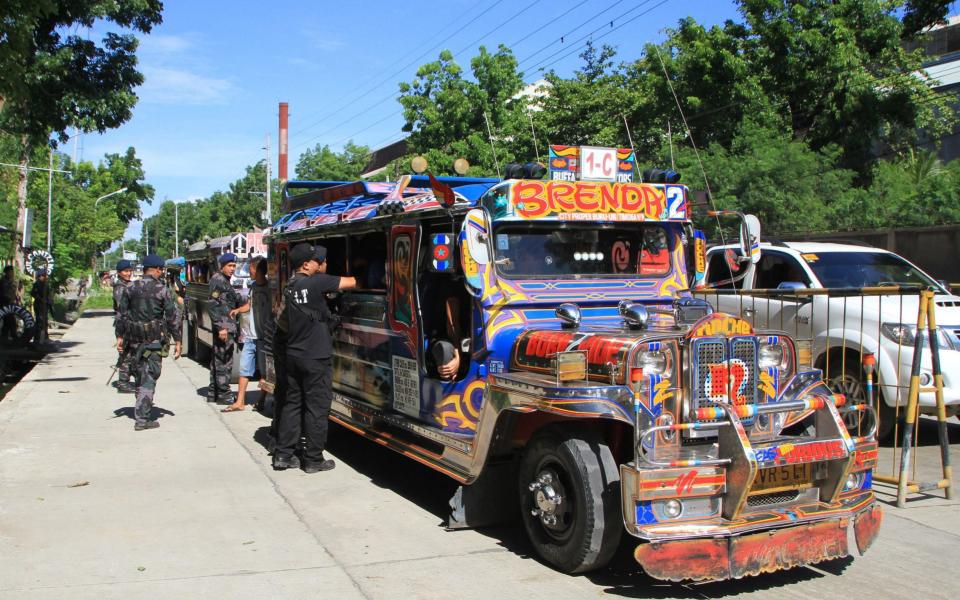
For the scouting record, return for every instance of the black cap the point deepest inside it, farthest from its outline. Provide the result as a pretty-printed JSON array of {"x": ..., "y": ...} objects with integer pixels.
[
  {"x": 152, "y": 261},
  {"x": 301, "y": 253},
  {"x": 124, "y": 264}
]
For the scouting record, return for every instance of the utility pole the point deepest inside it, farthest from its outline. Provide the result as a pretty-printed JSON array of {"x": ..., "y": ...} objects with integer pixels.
[
  {"x": 146, "y": 229},
  {"x": 50, "y": 200},
  {"x": 269, "y": 215}
]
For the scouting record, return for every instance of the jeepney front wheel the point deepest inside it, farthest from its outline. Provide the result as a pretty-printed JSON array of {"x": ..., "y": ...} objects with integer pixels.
[{"x": 570, "y": 500}]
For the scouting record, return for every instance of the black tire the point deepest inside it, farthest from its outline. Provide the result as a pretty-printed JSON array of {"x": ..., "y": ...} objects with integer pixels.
[
  {"x": 588, "y": 522},
  {"x": 853, "y": 384}
]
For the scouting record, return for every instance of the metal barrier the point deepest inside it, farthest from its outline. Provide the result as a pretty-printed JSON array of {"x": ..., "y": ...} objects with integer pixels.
[{"x": 837, "y": 331}]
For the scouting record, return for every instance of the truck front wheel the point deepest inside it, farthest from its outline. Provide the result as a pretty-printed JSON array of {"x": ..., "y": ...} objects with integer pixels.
[{"x": 570, "y": 500}]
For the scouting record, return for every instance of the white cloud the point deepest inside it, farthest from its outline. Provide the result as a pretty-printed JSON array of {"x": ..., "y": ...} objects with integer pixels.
[
  {"x": 173, "y": 67},
  {"x": 163, "y": 45},
  {"x": 164, "y": 85}
]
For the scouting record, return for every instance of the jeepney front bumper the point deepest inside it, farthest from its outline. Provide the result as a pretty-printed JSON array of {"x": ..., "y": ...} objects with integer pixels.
[{"x": 736, "y": 556}]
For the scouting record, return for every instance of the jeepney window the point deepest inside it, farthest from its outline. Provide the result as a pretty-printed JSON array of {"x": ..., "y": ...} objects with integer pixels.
[
  {"x": 496, "y": 200},
  {"x": 368, "y": 260},
  {"x": 527, "y": 251}
]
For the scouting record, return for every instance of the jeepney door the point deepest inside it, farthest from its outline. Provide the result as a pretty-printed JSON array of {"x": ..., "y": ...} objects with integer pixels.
[{"x": 402, "y": 317}]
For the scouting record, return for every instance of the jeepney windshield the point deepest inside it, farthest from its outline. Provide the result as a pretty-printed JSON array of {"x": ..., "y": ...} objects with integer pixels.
[{"x": 582, "y": 250}]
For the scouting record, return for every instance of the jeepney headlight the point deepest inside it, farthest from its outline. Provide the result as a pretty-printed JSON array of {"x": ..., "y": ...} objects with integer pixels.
[
  {"x": 652, "y": 362},
  {"x": 778, "y": 355},
  {"x": 771, "y": 355},
  {"x": 855, "y": 481},
  {"x": 672, "y": 508}
]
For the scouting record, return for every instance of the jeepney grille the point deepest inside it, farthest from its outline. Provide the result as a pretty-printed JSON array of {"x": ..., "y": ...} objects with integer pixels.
[
  {"x": 775, "y": 498},
  {"x": 709, "y": 352}
]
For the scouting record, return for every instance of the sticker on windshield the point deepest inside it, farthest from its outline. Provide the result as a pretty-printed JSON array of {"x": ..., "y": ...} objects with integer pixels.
[
  {"x": 503, "y": 242},
  {"x": 810, "y": 258}
]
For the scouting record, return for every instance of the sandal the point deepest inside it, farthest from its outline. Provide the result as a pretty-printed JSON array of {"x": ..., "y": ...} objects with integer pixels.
[{"x": 233, "y": 409}]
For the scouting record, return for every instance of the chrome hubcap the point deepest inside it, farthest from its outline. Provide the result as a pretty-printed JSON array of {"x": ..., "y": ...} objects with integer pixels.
[{"x": 548, "y": 499}]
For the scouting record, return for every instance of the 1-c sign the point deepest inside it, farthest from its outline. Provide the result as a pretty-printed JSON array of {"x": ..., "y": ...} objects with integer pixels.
[{"x": 598, "y": 164}]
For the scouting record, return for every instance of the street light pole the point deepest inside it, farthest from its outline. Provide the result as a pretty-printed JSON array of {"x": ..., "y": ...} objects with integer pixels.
[
  {"x": 120, "y": 191},
  {"x": 176, "y": 227},
  {"x": 49, "y": 199}
]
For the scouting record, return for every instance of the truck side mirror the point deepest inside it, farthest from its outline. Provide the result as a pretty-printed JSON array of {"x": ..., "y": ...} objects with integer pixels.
[{"x": 699, "y": 250}]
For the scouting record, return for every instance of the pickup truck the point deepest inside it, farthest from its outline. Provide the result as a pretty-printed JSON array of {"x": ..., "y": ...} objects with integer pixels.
[{"x": 841, "y": 326}]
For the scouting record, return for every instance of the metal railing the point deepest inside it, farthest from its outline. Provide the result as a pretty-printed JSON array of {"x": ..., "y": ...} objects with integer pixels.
[{"x": 835, "y": 329}]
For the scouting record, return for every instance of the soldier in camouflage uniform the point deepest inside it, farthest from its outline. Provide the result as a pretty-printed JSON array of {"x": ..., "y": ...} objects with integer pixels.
[
  {"x": 125, "y": 363},
  {"x": 149, "y": 317},
  {"x": 223, "y": 305}
]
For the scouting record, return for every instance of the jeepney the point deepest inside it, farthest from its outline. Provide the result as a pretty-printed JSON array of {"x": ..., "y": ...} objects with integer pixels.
[{"x": 595, "y": 396}]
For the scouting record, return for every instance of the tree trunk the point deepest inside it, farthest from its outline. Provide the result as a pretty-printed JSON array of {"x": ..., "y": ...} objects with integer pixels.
[{"x": 22, "y": 202}]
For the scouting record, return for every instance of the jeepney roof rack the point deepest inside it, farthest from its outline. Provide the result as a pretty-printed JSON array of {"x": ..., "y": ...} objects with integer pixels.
[{"x": 334, "y": 193}]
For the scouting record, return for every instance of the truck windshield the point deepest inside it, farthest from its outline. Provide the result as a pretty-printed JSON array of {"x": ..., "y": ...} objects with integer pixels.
[
  {"x": 865, "y": 269},
  {"x": 526, "y": 251}
]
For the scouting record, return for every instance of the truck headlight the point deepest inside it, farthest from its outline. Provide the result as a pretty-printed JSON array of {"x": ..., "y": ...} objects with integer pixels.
[{"x": 905, "y": 334}]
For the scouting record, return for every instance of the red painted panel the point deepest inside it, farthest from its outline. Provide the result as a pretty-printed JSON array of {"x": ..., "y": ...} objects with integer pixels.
[{"x": 866, "y": 526}]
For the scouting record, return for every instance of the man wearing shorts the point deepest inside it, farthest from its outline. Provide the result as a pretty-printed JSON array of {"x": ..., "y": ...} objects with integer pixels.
[{"x": 251, "y": 324}]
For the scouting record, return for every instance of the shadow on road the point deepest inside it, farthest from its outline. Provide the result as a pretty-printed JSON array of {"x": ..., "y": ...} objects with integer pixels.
[
  {"x": 155, "y": 413},
  {"x": 63, "y": 379}
]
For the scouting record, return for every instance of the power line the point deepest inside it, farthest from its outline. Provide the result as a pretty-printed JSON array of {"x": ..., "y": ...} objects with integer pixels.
[
  {"x": 402, "y": 69},
  {"x": 561, "y": 38},
  {"x": 391, "y": 97},
  {"x": 603, "y": 35}
]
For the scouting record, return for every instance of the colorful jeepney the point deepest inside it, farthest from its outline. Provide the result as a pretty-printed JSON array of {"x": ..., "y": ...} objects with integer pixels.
[{"x": 594, "y": 396}]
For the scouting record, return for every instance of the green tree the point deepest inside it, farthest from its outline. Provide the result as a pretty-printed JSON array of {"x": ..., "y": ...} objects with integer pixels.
[
  {"x": 447, "y": 115},
  {"x": 842, "y": 76},
  {"x": 55, "y": 78},
  {"x": 768, "y": 173},
  {"x": 323, "y": 164}
]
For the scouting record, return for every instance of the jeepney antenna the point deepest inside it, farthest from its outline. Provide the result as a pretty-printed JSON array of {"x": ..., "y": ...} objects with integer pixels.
[
  {"x": 536, "y": 147},
  {"x": 673, "y": 166},
  {"x": 630, "y": 139},
  {"x": 492, "y": 146},
  {"x": 696, "y": 152}
]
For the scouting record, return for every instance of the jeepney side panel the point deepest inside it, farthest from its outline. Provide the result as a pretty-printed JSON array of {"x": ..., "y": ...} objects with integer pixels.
[{"x": 405, "y": 360}]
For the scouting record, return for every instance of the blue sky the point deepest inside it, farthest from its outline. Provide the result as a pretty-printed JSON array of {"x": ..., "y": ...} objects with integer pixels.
[{"x": 216, "y": 70}]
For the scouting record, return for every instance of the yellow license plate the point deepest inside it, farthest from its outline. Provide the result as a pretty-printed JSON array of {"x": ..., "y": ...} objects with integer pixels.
[{"x": 789, "y": 477}]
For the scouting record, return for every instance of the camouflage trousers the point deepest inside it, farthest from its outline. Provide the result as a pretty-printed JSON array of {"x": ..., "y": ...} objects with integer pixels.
[
  {"x": 221, "y": 370},
  {"x": 146, "y": 374},
  {"x": 127, "y": 367}
]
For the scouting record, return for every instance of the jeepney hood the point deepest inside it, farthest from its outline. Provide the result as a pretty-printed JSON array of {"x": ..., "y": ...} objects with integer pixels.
[{"x": 608, "y": 348}]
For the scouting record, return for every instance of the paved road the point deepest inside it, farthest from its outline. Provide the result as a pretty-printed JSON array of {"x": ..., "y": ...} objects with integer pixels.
[{"x": 193, "y": 510}]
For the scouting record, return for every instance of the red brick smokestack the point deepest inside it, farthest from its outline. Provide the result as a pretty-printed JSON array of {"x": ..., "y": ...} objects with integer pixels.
[{"x": 284, "y": 128}]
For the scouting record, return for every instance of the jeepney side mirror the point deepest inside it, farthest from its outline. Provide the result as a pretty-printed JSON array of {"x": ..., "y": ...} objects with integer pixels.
[
  {"x": 477, "y": 230},
  {"x": 750, "y": 238},
  {"x": 699, "y": 250},
  {"x": 474, "y": 249}
]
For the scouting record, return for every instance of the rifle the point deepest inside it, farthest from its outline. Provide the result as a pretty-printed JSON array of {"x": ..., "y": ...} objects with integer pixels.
[{"x": 116, "y": 366}]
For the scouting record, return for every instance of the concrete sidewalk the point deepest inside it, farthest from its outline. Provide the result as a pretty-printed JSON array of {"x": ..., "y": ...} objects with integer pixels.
[{"x": 193, "y": 510}]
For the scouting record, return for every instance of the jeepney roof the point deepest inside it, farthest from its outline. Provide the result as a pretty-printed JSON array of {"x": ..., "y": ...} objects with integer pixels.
[
  {"x": 179, "y": 261},
  {"x": 333, "y": 202}
]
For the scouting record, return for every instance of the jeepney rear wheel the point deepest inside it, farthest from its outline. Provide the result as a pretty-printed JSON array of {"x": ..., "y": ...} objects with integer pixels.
[{"x": 570, "y": 500}]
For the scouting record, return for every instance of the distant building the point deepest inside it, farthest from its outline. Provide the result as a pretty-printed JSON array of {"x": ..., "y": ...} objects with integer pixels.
[{"x": 941, "y": 43}]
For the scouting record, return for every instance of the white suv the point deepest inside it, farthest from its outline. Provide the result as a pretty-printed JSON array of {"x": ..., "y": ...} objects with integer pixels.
[{"x": 841, "y": 325}]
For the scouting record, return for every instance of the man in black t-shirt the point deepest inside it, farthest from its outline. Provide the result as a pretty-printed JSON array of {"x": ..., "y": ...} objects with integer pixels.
[{"x": 309, "y": 364}]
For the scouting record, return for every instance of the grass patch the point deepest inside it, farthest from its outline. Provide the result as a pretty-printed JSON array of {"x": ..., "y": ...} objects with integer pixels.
[{"x": 98, "y": 299}]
